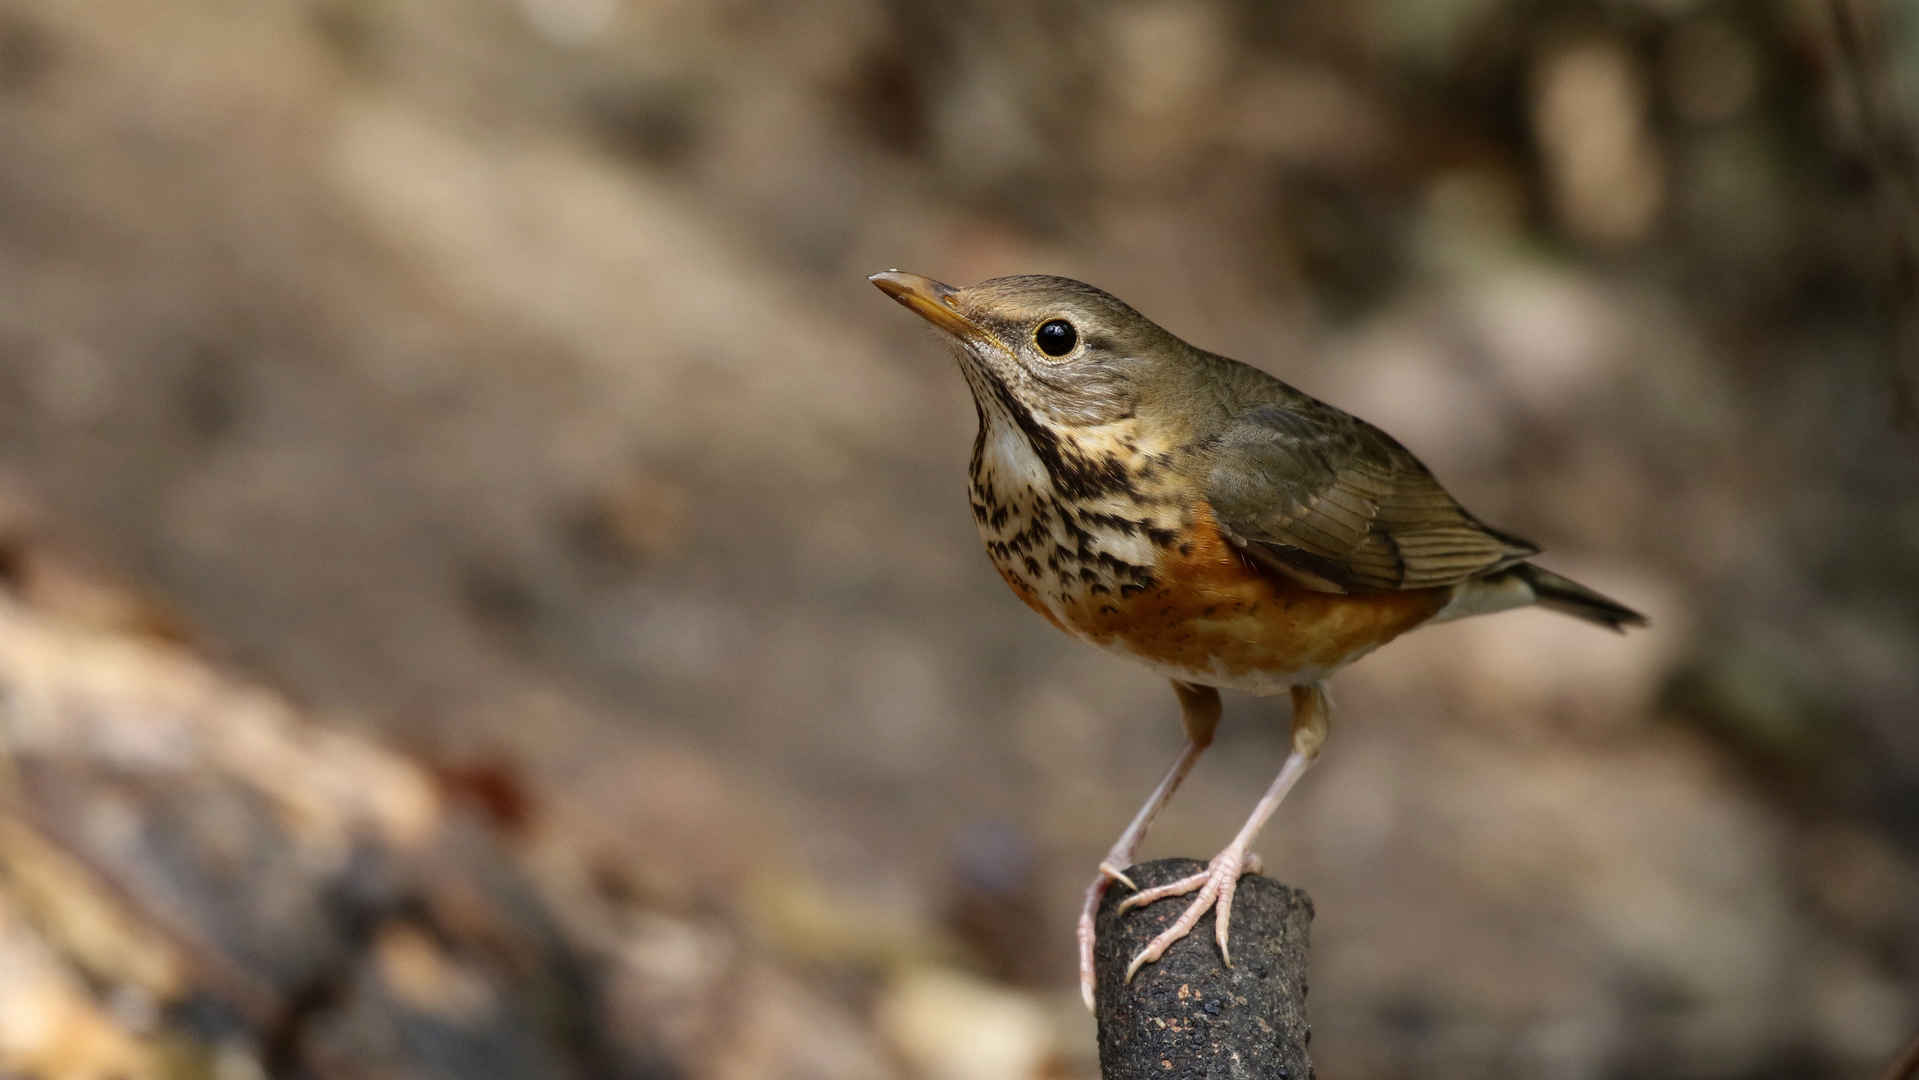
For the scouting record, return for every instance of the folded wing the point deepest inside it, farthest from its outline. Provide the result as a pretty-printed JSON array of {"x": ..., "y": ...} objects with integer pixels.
[{"x": 1336, "y": 504}]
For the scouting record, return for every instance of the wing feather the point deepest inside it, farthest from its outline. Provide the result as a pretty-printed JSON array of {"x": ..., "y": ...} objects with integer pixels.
[{"x": 1331, "y": 501}]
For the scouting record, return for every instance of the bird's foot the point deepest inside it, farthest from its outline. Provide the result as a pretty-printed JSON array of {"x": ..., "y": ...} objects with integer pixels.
[
  {"x": 1108, "y": 873},
  {"x": 1215, "y": 885}
]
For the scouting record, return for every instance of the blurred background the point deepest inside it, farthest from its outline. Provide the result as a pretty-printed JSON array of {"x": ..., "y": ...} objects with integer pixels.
[{"x": 488, "y": 589}]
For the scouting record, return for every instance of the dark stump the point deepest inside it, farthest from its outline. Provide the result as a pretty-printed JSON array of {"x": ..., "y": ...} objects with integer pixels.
[{"x": 1189, "y": 1016}]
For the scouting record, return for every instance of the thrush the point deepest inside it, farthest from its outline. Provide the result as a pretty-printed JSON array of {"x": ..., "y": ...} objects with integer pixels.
[{"x": 1201, "y": 517}]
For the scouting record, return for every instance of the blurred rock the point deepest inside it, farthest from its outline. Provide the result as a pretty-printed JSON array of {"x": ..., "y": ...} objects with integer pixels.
[
  {"x": 949, "y": 1026},
  {"x": 720, "y": 1012},
  {"x": 48, "y": 574},
  {"x": 195, "y": 876},
  {"x": 994, "y": 906}
]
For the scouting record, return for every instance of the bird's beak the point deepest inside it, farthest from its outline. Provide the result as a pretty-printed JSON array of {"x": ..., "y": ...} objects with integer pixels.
[{"x": 930, "y": 300}]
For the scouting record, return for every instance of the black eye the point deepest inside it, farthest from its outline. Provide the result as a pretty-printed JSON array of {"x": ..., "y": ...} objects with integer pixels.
[{"x": 1056, "y": 337}]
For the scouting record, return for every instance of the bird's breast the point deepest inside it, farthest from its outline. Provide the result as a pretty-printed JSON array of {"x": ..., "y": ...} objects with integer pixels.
[
  {"x": 1139, "y": 566},
  {"x": 1060, "y": 543}
]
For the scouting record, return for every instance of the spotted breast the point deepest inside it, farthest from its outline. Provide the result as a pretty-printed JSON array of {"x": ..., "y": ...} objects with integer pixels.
[{"x": 1091, "y": 531}]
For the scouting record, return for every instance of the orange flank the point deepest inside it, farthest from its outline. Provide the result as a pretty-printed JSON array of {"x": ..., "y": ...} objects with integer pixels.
[{"x": 1211, "y": 610}]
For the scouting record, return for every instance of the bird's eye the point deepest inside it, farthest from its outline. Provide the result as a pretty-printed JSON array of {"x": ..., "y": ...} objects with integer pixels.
[{"x": 1056, "y": 337}]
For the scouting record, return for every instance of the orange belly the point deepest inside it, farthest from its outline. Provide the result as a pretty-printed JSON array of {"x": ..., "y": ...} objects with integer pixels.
[{"x": 1213, "y": 618}]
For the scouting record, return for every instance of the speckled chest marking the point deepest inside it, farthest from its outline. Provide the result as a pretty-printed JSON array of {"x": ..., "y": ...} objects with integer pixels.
[
  {"x": 1084, "y": 528},
  {"x": 1094, "y": 533}
]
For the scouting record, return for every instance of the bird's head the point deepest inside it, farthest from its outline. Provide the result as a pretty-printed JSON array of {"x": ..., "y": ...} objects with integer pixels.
[{"x": 1066, "y": 352}]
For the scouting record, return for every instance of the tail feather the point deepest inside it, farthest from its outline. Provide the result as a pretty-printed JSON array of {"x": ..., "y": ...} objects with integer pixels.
[{"x": 1565, "y": 595}]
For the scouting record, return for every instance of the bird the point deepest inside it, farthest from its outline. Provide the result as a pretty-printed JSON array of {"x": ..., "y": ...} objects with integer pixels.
[{"x": 1201, "y": 517}]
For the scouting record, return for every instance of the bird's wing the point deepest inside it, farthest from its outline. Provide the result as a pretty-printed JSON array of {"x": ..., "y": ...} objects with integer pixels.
[{"x": 1336, "y": 504}]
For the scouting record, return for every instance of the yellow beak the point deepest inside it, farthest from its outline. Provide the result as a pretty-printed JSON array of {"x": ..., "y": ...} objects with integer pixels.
[{"x": 930, "y": 300}]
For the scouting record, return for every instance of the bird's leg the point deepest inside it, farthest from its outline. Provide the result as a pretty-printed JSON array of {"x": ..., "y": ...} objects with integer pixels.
[
  {"x": 1311, "y": 713},
  {"x": 1199, "y": 713}
]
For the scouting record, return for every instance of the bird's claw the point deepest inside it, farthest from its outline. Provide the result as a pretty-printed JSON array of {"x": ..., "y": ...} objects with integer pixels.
[{"x": 1215, "y": 885}]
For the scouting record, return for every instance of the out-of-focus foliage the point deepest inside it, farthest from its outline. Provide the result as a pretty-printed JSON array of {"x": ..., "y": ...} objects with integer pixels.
[{"x": 497, "y": 380}]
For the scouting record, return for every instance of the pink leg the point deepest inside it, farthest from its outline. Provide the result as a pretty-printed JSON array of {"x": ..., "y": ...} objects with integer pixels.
[
  {"x": 1199, "y": 712},
  {"x": 1217, "y": 883}
]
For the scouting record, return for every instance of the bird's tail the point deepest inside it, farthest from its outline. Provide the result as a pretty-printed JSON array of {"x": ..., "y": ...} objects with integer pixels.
[
  {"x": 1523, "y": 585},
  {"x": 1565, "y": 595}
]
